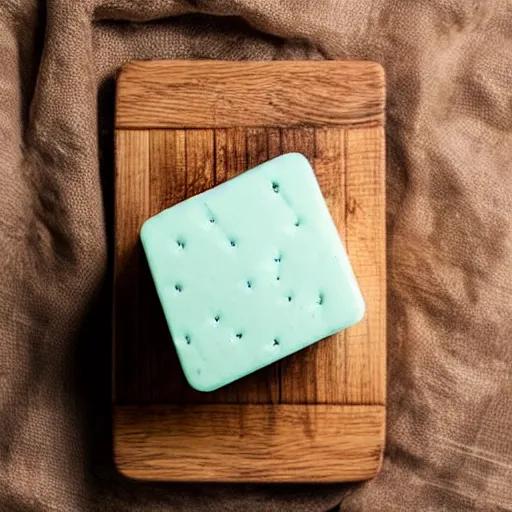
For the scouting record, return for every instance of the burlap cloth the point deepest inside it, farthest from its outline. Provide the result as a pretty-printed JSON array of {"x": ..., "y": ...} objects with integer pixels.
[{"x": 449, "y": 71}]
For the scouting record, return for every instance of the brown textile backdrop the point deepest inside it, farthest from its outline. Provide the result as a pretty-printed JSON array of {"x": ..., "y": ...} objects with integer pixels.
[{"x": 449, "y": 136}]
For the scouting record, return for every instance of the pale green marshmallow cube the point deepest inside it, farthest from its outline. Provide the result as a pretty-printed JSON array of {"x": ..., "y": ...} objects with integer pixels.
[{"x": 250, "y": 272}]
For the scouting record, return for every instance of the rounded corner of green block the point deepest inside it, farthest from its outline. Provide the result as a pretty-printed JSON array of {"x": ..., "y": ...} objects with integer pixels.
[
  {"x": 197, "y": 384},
  {"x": 359, "y": 310},
  {"x": 145, "y": 229},
  {"x": 298, "y": 157}
]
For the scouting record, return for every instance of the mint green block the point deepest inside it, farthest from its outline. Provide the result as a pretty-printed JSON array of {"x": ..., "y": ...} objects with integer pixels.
[{"x": 250, "y": 271}]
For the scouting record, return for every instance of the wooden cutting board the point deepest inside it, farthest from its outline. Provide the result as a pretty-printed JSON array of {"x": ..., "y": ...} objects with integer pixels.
[{"x": 181, "y": 128}]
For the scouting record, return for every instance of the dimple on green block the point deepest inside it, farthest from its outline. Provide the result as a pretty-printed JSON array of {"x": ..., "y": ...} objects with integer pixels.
[{"x": 250, "y": 271}]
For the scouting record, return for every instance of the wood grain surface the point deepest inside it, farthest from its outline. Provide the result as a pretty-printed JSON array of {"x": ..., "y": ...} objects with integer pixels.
[
  {"x": 252, "y": 443},
  {"x": 215, "y": 94},
  {"x": 156, "y": 168}
]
